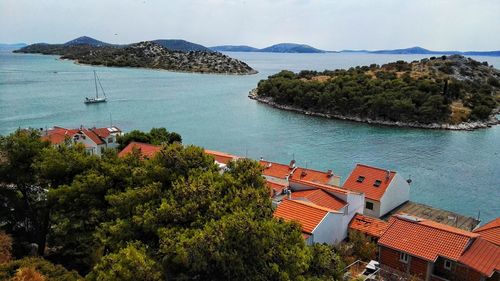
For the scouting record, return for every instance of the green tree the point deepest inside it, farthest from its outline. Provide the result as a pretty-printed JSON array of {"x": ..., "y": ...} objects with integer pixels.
[
  {"x": 50, "y": 271},
  {"x": 325, "y": 262}
]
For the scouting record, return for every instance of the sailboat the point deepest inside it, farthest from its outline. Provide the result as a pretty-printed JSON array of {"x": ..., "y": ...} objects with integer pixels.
[{"x": 96, "y": 99}]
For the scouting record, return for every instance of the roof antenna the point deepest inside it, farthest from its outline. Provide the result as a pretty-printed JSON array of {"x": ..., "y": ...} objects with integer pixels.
[{"x": 409, "y": 179}]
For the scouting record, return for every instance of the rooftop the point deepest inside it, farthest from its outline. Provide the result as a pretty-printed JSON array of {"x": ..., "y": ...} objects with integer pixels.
[
  {"x": 221, "y": 157},
  {"x": 320, "y": 198},
  {"x": 490, "y": 231},
  {"x": 275, "y": 187},
  {"x": 306, "y": 214},
  {"x": 368, "y": 225},
  {"x": 145, "y": 149},
  {"x": 483, "y": 256},
  {"x": 282, "y": 171},
  {"x": 435, "y": 214},
  {"x": 425, "y": 239},
  {"x": 370, "y": 180}
]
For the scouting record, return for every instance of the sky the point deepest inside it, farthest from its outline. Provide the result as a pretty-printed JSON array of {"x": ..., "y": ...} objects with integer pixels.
[{"x": 325, "y": 24}]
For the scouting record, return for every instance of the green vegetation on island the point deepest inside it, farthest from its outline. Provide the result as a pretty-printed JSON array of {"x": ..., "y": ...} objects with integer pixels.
[
  {"x": 172, "y": 217},
  {"x": 147, "y": 54},
  {"x": 449, "y": 91}
]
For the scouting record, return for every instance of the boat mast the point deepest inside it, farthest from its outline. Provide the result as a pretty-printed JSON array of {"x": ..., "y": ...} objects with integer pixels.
[
  {"x": 100, "y": 85},
  {"x": 95, "y": 82}
]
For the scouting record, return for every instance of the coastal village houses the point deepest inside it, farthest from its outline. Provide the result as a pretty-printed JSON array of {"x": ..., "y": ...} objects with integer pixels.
[
  {"x": 94, "y": 139},
  {"x": 408, "y": 245},
  {"x": 411, "y": 246},
  {"x": 384, "y": 190}
]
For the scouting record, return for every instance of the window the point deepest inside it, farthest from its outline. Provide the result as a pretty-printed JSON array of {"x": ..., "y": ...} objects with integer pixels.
[
  {"x": 447, "y": 264},
  {"x": 404, "y": 257},
  {"x": 377, "y": 183},
  {"x": 110, "y": 140},
  {"x": 369, "y": 205},
  {"x": 360, "y": 179}
]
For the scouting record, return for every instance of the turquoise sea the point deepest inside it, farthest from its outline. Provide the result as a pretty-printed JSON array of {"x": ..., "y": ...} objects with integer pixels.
[{"x": 459, "y": 171}]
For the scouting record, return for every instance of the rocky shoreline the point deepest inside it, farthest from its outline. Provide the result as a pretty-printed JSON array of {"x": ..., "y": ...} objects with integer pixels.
[{"x": 465, "y": 126}]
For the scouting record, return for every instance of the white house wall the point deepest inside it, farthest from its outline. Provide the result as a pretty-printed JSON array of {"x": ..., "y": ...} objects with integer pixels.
[
  {"x": 356, "y": 203},
  {"x": 396, "y": 194},
  {"x": 329, "y": 230}
]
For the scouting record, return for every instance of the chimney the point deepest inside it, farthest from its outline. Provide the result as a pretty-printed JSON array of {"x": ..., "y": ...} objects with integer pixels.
[
  {"x": 330, "y": 173},
  {"x": 292, "y": 164},
  {"x": 289, "y": 194},
  {"x": 387, "y": 175}
]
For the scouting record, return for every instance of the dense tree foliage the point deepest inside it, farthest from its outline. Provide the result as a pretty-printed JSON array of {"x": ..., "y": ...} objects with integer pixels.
[
  {"x": 155, "y": 136},
  {"x": 409, "y": 92},
  {"x": 174, "y": 216}
]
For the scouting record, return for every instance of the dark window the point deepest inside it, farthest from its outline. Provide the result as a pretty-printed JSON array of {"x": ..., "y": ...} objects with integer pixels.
[
  {"x": 403, "y": 257},
  {"x": 360, "y": 179},
  {"x": 377, "y": 183},
  {"x": 447, "y": 264},
  {"x": 369, "y": 205}
]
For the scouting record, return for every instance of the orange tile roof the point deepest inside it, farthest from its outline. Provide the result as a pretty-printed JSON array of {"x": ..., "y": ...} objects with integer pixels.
[
  {"x": 490, "y": 231},
  {"x": 483, "y": 256},
  {"x": 104, "y": 132},
  {"x": 146, "y": 150},
  {"x": 312, "y": 175},
  {"x": 93, "y": 136},
  {"x": 307, "y": 215},
  {"x": 276, "y": 170},
  {"x": 325, "y": 187},
  {"x": 221, "y": 157},
  {"x": 425, "y": 239},
  {"x": 275, "y": 187},
  {"x": 58, "y": 135},
  {"x": 320, "y": 198},
  {"x": 369, "y": 176},
  {"x": 368, "y": 225}
]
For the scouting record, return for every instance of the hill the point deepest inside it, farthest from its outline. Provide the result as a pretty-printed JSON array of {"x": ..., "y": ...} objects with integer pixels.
[
  {"x": 85, "y": 40},
  {"x": 12, "y": 46},
  {"x": 291, "y": 48},
  {"x": 448, "y": 92},
  {"x": 233, "y": 48},
  {"x": 146, "y": 55},
  {"x": 181, "y": 45},
  {"x": 423, "y": 51}
]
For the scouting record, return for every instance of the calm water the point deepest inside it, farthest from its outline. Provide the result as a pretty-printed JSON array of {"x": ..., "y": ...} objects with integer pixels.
[{"x": 458, "y": 171}]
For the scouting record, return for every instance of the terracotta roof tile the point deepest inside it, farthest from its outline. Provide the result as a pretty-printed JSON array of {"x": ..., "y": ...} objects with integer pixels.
[
  {"x": 312, "y": 175},
  {"x": 221, "y": 157},
  {"x": 425, "y": 239},
  {"x": 363, "y": 179},
  {"x": 320, "y": 198},
  {"x": 281, "y": 171},
  {"x": 483, "y": 256},
  {"x": 58, "y": 135},
  {"x": 275, "y": 187},
  {"x": 275, "y": 170},
  {"x": 368, "y": 225},
  {"x": 325, "y": 187},
  {"x": 93, "y": 136},
  {"x": 307, "y": 215},
  {"x": 490, "y": 231},
  {"x": 146, "y": 150}
]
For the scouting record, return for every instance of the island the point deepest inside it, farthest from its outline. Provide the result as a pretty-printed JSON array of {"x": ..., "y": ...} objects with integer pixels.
[
  {"x": 447, "y": 92},
  {"x": 147, "y": 54}
]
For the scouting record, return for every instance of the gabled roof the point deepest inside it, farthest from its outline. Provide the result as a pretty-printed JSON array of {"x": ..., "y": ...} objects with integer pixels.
[
  {"x": 105, "y": 132},
  {"x": 275, "y": 187},
  {"x": 221, "y": 157},
  {"x": 490, "y": 231},
  {"x": 91, "y": 135},
  {"x": 308, "y": 215},
  {"x": 325, "y": 187},
  {"x": 483, "y": 256},
  {"x": 312, "y": 175},
  {"x": 368, "y": 225},
  {"x": 364, "y": 179},
  {"x": 320, "y": 198},
  {"x": 146, "y": 150},
  {"x": 58, "y": 135},
  {"x": 425, "y": 239},
  {"x": 275, "y": 170}
]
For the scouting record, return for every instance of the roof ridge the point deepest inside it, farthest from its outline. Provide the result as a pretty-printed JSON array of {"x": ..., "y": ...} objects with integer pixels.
[
  {"x": 312, "y": 205},
  {"x": 440, "y": 226},
  {"x": 492, "y": 224}
]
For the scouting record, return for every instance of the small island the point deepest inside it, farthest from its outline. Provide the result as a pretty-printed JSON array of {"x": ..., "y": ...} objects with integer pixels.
[
  {"x": 447, "y": 92},
  {"x": 147, "y": 54}
]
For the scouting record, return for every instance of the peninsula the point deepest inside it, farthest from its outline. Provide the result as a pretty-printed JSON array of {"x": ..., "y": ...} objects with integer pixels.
[
  {"x": 147, "y": 54},
  {"x": 448, "y": 92}
]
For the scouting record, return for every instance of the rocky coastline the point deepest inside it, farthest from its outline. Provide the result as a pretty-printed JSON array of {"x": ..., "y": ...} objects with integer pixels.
[{"x": 464, "y": 126}]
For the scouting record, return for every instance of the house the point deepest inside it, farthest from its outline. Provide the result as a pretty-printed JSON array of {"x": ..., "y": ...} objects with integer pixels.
[
  {"x": 434, "y": 251},
  {"x": 146, "y": 150},
  {"x": 490, "y": 231},
  {"x": 282, "y": 173},
  {"x": 342, "y": 205},
  {"x": 94, "y": 139},
  {"x": 371, "y": 227},
  {"x": 384, "y": 190},
  {"x": 317, "y": 223},
  {"x": 221, "y": 158}
]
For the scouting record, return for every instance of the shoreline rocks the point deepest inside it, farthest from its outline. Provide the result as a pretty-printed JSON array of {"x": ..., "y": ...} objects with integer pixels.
[{"x": 465, "y": 126}]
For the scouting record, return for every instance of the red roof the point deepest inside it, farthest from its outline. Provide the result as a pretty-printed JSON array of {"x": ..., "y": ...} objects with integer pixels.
[
  {"x": 320, "y": 198},
  {"x": 368, "y": 225},
  {"x": 58, "y": 135},
  {"x": 276, "y": 170},
  {"x": 424, "y": 238},
  {"x": 275, "y": 187},
  {"x": 325, "y": 187},
  {"x": 105, "y": 132},
  {"x": 312, "y": 175},
  {"x": 221, "y": 157},
  {"x": 490, "y": 231},
  {"x": 91, "y": 135},
  {"x": 146, "y": 150},
  {"x": 365, "y": 178},
  {"x": 306, "y": 214},
  {"x": 483, "y": 256}
]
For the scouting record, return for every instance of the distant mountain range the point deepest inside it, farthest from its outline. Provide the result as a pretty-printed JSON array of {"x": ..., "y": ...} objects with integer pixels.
[
  {"x": 278, "y": 48},
  {"x": 186, "y": 46}
]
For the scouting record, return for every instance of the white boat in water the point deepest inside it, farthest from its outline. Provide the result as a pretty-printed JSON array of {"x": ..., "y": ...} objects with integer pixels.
[{"x": 96, "y": 99}]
